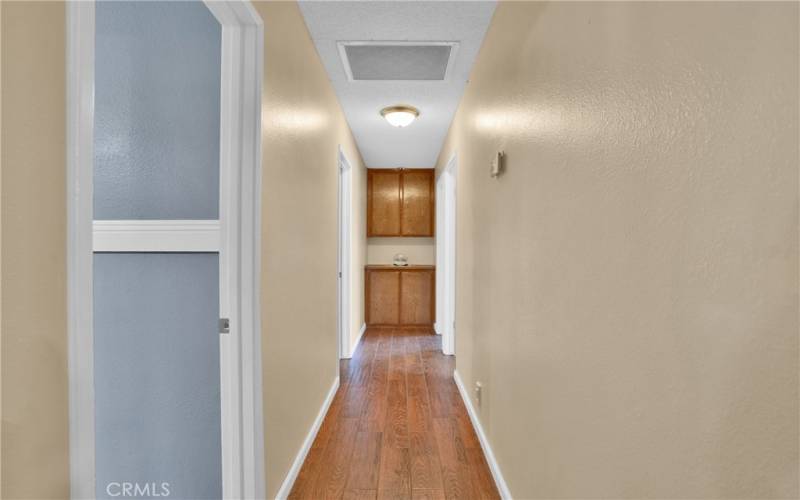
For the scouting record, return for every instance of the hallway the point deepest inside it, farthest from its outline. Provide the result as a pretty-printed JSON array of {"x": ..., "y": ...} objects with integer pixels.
[
  {"x": 312, "y": 249},
  {"x": 397, "y": 427}
]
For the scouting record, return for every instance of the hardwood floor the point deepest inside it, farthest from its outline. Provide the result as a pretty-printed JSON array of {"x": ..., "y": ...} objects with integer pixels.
[{"x": 397, "y": 428}]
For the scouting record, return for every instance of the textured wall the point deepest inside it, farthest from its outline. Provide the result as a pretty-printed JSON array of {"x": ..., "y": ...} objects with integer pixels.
[
  {"x": 302, "y": 125},
  {"x": 628, "y": 290},
  {"x": 34, "y": 460}
]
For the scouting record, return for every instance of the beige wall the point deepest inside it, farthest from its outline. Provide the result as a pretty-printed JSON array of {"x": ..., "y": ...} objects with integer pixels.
[
  {"x": 34, "y": 459},
  {"x": 418, "y": 250},
  {"x": 628, "y": 290},
  {"x": 302, "y": 128}
]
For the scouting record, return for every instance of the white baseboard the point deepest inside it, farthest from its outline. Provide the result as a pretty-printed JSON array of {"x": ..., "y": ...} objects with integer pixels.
[
  {"x": 436, "y": 329},
  {"x": 355, "y": 344},
  {"x": 502, "y": 487},
  {"x": 286, "y": 487}
]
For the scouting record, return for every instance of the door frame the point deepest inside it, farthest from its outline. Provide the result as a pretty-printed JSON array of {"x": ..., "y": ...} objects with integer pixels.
[
  {"x": 446, "y": 255},
  {"x": 237, "y": 237},
  {"x": 438, "y": 324},
  {"x": 345, "y": 280}
]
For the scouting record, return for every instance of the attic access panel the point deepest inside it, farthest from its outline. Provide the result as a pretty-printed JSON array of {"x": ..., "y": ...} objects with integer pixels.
[{"x": 397, "y": 61}]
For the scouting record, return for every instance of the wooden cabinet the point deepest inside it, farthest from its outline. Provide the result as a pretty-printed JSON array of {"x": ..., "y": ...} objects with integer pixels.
[
  {"x": 383, "y": 297},
  {"x": 383, "y": 202},
  {"x": 403, "y": 296},
  {"x": 400, "y": 202}
]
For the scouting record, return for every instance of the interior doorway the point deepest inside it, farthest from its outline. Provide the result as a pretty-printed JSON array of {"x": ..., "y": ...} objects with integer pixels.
[
  {"x": 446, "y": 255},
  {"x": 164, "y": 224},
  {"x": 345, "y": 251}
]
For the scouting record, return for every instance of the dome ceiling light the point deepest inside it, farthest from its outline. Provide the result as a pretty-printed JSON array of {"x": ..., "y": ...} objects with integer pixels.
[{"x": 400, "y": 116}]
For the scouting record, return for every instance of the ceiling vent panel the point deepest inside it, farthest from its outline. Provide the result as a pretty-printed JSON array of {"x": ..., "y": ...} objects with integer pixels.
[{"x": 397, "y": 61}]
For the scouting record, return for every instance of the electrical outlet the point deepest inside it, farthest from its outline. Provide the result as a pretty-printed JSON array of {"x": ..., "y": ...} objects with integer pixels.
[{"x": 478, "y": 393}]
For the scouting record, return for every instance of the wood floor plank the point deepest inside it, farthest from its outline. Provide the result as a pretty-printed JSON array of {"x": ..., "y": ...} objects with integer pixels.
[
  {"x": 426, "y": 468},
  {"x": 465, "y": 429},
  {"x": 397, "y": 428},
  {"x": 397, "y": 361},
  {"x": 374, "y": 416},
  {"x": 356, "y": 401},
  {"x": 366, "y": 462},
  {"x": 482, "y": 480},
  {"x": 453, "y": 457},
  {"x": 418, "y": 494},
  {"x": 331, "y": 418},
  {"x": 441, "y": 397},
  {"x": 360, "y": 495},
  {"x": 332, "y": 476},
  {"x": 307, "y": 477},
  {"x": 394, "y": 480}
]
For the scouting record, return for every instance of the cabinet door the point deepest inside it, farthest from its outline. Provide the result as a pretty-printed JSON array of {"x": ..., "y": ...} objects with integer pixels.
[
  {"x": 383, "y": 203},
  {"x": 418, "y": 203},
  {"x": 417, "y": 297},
  {"x": 383, "y": 297}
]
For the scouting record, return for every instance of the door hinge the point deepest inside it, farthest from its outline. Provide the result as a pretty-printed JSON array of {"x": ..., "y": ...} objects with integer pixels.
[{"x": 224, "y": 325}]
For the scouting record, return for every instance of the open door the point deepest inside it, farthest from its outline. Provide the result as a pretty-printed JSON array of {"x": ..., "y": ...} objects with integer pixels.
[{"x": 164, "y": 159}]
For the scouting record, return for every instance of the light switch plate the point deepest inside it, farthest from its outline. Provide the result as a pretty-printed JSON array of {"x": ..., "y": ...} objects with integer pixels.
[{"x": 497, "y": 165}]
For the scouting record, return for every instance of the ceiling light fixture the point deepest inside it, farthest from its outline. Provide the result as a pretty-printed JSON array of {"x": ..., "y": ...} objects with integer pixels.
[{"x": 400, "y": 116}]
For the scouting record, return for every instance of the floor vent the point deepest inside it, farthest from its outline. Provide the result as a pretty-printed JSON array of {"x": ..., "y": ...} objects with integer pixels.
[{"x": 397, "y": 61}]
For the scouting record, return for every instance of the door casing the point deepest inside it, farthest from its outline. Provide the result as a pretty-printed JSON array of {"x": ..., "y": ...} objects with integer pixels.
[
  {"x": 345, "y": 251},
  {"x": 446, "y": 255}
]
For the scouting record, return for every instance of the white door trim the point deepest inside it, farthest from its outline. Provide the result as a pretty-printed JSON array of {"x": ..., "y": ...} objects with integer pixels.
[
  {"x": 345, "y": 251},
  {"x": 238, "y": 234},
  {"x": 80, "y": 157},
  {"x": 446, "y": 255},
  {"x": 438, "y": 325},
  {"x": 240, "y": 247}
]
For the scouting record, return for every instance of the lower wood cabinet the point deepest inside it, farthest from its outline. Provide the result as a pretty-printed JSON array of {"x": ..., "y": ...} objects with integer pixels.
[{"x": 403, "y": 296}]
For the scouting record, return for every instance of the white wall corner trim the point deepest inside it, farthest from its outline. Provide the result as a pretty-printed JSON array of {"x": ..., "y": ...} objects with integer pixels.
[
  {"x": 294, "y": 470},
  {"x": 358, "y": 339},
  {"x": 502, "y": 487}
]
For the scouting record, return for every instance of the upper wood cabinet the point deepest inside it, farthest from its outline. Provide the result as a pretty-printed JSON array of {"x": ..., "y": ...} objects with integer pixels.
[{"x": 400, "y": 202}]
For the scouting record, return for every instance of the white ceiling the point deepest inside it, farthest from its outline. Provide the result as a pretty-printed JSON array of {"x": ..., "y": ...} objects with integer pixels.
[{"x": 381, "y": 144}]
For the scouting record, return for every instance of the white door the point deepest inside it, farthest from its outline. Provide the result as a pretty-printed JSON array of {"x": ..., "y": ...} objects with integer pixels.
[{"x": 158, "y": 422}]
